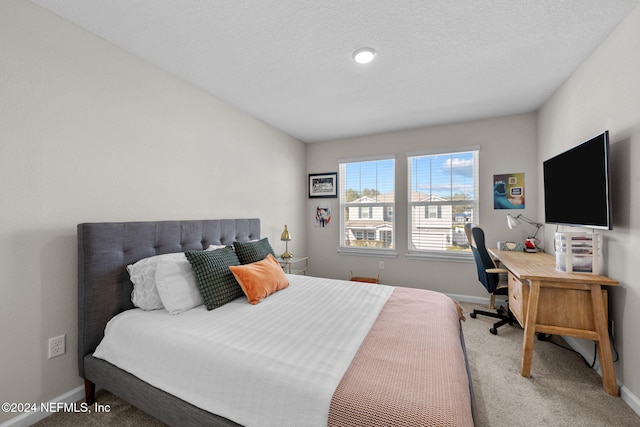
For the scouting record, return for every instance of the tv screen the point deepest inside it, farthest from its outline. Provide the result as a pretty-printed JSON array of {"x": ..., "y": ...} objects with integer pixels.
[{"x": 576, "y": 185}]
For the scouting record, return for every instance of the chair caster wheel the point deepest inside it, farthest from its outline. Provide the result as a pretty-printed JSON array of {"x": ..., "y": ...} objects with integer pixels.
[
  {"x": 494, "y": 331},
  {"x": 473, "y": 315}
]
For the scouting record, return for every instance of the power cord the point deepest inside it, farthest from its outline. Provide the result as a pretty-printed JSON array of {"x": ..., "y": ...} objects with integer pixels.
[
  {"x": 548, "y": 338},
  {"x": 613, "y": 345}
]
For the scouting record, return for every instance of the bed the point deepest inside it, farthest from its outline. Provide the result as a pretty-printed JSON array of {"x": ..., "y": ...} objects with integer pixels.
[{"x": 389, "y": 358}]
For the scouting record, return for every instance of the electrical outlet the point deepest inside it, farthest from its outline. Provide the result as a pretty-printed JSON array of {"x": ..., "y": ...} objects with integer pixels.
[
  {"x": 381, "y": 265},
  {"x": 57, "y": 346}
]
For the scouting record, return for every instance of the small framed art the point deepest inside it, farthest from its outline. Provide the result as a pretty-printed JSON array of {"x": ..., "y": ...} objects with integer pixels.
[{"x": 323, "y": 185}]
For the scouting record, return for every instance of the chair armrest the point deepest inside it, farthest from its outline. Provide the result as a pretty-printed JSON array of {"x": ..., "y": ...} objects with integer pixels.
[{"x": 497, "y": 270}]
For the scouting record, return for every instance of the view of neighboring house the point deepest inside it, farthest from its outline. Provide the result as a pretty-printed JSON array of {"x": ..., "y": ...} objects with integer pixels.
[
  {"x": 436, "y": 225},
  {"x": 432, "y": 223},
  {"x": 369, "y": 222}
]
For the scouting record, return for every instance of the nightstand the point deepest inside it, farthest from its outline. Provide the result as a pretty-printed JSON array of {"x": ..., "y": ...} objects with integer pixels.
[{"x": 294, "y": 265}]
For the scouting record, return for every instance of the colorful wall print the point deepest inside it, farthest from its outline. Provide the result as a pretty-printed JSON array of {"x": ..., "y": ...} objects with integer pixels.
[{"x": 508, "y": 191}]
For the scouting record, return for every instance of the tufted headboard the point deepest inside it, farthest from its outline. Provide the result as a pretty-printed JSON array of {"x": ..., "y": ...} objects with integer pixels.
[{"x": 105, "y": 249}]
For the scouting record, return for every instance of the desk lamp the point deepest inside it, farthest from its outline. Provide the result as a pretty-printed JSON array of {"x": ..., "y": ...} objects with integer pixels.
[{"x": 513, "y": 222}]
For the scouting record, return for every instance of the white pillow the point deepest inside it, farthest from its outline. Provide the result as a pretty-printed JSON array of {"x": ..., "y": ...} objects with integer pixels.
[
  {"x": 143, "y": 276},
  {"x": 214, "y": 247},
  {"x": 177, "y": 285}
]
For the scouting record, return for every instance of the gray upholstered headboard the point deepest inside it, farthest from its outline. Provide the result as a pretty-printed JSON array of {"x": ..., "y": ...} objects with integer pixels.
[{"x": 105, "y": 250}]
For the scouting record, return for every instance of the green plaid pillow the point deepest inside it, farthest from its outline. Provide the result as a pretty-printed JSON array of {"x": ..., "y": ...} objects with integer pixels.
[
  {"x": 255, "y": 251},
  {"x": 216, "y": 282}
]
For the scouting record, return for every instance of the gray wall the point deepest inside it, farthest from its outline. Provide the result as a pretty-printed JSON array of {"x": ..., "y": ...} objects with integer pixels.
[
  {"x": 604, "y": 93},
  {"x": 91, "y": 133}
]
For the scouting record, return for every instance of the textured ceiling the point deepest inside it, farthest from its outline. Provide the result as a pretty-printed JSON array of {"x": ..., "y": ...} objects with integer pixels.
[{"x": 288, "y": 62}]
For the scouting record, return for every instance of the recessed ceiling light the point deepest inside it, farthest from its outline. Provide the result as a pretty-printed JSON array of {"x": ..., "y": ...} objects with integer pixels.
[{"x": 364, "y": 55}]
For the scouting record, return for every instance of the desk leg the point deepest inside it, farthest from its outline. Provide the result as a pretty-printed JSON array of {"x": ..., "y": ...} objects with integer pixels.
[
  {"x": 530, "y": 328},
  {"x": 604, "y": 347}
]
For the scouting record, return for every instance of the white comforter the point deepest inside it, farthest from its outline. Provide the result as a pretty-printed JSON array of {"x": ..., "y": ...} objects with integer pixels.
[{"x": 273, "y": 364}]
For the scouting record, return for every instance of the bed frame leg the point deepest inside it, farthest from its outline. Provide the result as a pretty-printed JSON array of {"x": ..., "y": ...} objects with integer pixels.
[{"x": 89, "y": 392}]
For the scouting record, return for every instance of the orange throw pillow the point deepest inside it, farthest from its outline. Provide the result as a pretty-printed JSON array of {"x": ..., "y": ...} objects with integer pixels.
[{"x": 260, "y": 279}]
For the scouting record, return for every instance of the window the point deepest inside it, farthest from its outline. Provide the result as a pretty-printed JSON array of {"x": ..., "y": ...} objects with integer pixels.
[
  {"x": 364, "y": 234},
  {"x": 442, "y": 197},
  {"x": 433, "y": 211},
  {"x": 366, "y": 205},
  {"x": 365, "y": 213}
]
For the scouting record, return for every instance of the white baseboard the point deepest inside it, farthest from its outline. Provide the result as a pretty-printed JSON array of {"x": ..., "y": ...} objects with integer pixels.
[
  {"x": 30, "y": 418},
  {"x": 466, "y": 298},
  {"x": 476, "y": 300},
  {"x": 630, "y": 398},
  {"x": 588, "y": 353}
]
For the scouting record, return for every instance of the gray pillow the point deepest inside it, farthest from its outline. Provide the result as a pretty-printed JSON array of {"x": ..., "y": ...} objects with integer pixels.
[{"x": 215, "y": 280}]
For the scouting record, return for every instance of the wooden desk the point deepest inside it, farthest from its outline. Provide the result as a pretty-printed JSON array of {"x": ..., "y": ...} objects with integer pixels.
[{"x": 550, "y": 301}]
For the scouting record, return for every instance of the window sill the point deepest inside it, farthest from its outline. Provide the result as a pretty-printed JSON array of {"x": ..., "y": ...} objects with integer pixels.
[
  {"x": 384, "y": 253},
  {"x": 448, "y": 257}
]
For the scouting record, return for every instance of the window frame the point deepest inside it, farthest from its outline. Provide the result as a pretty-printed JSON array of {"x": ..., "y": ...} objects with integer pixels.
[{"x": 449, "y": 255}]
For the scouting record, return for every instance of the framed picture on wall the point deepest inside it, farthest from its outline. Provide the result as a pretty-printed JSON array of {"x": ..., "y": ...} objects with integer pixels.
[{"x": 323, "y": 185}]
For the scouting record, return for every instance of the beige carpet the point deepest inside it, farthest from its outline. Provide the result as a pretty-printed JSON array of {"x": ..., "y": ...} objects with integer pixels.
[{"x": 562, "y": 390}]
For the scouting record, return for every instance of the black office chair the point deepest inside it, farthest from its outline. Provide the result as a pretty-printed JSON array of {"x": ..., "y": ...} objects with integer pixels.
[{"x": 492, "y": 278}]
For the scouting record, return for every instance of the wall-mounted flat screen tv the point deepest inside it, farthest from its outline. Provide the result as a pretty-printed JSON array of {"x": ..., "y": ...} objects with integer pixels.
[{"x": 577, "y": 185}]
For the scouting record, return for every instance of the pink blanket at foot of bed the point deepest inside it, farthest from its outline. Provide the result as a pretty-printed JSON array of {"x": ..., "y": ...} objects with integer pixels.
[{"x": 410, "y": 370}]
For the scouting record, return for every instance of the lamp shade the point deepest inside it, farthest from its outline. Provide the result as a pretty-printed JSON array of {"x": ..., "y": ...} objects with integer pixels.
[
  {"x": 285, "y": 236},
  {"x": 512, "y": 222}
]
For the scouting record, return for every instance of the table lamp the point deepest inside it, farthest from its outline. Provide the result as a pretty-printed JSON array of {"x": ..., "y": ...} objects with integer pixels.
[
  {"x": 285, "y": 237},
  {"x": 531, "y": 242}
]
